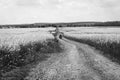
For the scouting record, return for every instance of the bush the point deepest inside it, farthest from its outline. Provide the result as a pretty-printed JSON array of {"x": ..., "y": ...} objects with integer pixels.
[{"x": 26, "y": 54}]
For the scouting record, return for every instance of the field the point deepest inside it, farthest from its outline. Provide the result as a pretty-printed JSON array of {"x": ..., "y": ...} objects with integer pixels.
[
  {"x": 102, "y": 34},
  {"x": 20, "y": 49},
  {"x": 34, "y": 54},
  {"x": 14, "y": 37},
  {"x": 106, "y": 40}
]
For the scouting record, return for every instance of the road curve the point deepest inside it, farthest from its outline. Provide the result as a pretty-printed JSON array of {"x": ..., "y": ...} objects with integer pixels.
[{"x": 77, "y": 62}]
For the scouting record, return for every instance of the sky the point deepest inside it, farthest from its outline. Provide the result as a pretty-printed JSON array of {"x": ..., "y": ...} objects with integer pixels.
[{"x": 32, "y": 11}]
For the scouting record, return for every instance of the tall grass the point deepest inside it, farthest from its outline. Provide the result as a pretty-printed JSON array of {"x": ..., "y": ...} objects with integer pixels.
[
  {"x": 108, "y": 49},
  {"x": 14, "y": 38},
  {"x": 15, "y": 64}
]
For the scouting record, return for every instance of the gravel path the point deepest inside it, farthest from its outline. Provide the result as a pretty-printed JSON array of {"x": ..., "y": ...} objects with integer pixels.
[{"x": 77, "y": 62}]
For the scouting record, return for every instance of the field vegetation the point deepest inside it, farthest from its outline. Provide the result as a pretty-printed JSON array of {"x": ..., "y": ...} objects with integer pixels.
[
  {"x": 17, "y": 58},
  {"x": 15, "y": 37},
  {"x": 106, "y": 40}
]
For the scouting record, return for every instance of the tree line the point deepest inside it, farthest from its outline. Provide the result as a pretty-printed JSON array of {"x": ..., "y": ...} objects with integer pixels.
[{"x": 75, "y": 24}]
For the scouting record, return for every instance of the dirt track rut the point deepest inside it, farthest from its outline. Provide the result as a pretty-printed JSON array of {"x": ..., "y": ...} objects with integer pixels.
[{"x": 77, "y": 62}]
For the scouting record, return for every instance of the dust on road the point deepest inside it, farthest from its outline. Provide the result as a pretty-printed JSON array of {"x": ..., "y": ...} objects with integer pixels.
[{"x": 77, "y": 62}]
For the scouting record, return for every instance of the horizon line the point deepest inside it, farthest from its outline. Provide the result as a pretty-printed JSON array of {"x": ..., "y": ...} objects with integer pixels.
[{"x": 58, "y": 22}]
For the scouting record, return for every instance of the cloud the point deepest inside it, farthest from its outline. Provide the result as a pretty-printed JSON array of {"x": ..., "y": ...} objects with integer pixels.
[
  {"x": 109, "y": 3},
  {"x": 28, "y": 2},
  {"x": 39, "y": 3},
  {"x": 27, "y": 11}
]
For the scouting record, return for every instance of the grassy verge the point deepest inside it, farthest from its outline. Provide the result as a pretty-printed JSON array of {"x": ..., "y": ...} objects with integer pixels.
[
  {"x": 108, "y": 49},
  {"x": 14, "y": 65}
]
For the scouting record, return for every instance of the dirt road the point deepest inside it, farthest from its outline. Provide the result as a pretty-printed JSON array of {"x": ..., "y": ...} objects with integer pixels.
[{"x": 77, "y": 62}]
